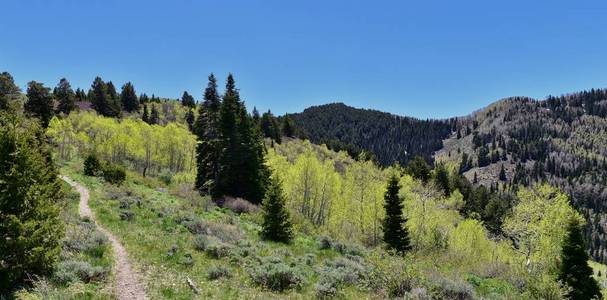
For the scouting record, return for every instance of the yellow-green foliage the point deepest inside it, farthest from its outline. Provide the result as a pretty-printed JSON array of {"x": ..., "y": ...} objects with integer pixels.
[{"x": 130, "y": 142}]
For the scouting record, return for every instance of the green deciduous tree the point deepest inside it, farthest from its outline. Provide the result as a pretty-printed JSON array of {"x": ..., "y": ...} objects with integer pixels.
[
  {"x": 574, "y": 270},
  {"x": 30, "y": 228},
  {"x": 39, "y": 102},
  {"x": 396, "y": 235},
  {"x": 276, "y": 220},
  {"x": 66, "y": 99}
]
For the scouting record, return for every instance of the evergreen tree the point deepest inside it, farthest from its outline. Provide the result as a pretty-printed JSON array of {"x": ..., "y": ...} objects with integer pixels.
[
  {"x": 190, "y": 119},
  {"x": 98, "y": 97},
  {"x": 574, "y": 270},
  {"x": 145, "y": 116},
  {"x": 30, "y": 227},
  {"x": 502, "y": 175},
  {"x": 441, "y": 178},
  {"x": 39, "y": 102},
  {"x": 80, "y": 95},
  {"x": 208, "y": 151},
  {"x": 128, "y": 97},
  {"x": 114, "y": 106},
  {"x": 143, "y": 99},
  {"x": 270, "y": 127},
  {"x": 251, "y": 159},
  {"x": 419, "y": 169},
  {"x": 8, "y": 90},
  {"x": 396, "y": 235},
  {"x": 187, "y": 100},
  {"x": 154, "y": 118},
  {"x": 288, "y": 128},
  {"x": 276, "y": 221},
  {"x": 255, "y": 116},
  {"x": 229, "y": 179},
  {"x": 65, "y": 97}
]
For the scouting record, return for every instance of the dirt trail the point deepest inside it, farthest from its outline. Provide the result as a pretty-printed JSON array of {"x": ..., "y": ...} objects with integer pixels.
[{"x": 127, "y": 282}]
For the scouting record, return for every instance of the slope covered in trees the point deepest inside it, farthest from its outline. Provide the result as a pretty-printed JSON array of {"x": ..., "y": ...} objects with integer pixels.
[
  {"x": 560, "y": 140},
  {"x": 389, "y": 137}
]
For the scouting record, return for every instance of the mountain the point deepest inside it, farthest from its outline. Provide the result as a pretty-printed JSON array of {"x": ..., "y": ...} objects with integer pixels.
[
  {"x": 389, "y": 137},
  {"x": 559, "y": 140}
]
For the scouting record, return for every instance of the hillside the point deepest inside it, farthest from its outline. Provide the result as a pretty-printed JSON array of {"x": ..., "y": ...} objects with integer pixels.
[
  {"x": 561, "y": 140},
  {"x": 389, "y": 137}
]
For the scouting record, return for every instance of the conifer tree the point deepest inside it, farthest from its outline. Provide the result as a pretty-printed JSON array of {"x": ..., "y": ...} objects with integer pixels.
[
  {"x": 229, "y": 179},
  {"x": 190, "y": 119},
  {"x": 270, "y": 127},
  {"x": 187, "y": 100},
  {"x": 8, "y": 90},
  {"x": 114, "y": 106},
  {"x": 396, "y": 235},
  {"x": 276, "y": 220},
  {"x": 288, "y": 128},
  {"x": 145, "y": 116},
  {"x": 154, "y": 118},
  {"x": 143, "y": 99},
  {"x": 441, "y": 177},
  {"x": 254, "y": 173},
  {"x": 39, "y": 103},
  {"x": 80, "y": 95},
  {"x": 255, "y": 116},
  {"x": 128, "y": 98},
  {"x": 574, "y": 270},
  {"x": 30, "y": 227},
  {"x": 65, "y": 97},
  {"x": 99, "y": 97},
  {"x": 502, "y": 175},
  {"x": 208, "y": 151},
  {"x": 419, "y": 169}
]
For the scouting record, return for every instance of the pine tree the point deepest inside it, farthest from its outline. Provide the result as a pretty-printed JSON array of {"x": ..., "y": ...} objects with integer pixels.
[
  {"x": 143, "y": 99},
  {"x": 187, "y": 100},
  {"x": 396, "y": 235},
  {"x": 145, "y": 116},
  {"x": 128, "y": 98},
  {"x": 65, "y": 97},
  {"x": 441, "y": 177},
  {"x": 229, "y": 180},
  {"x": 190, "y": 119},
  {"x": 8, "y": 90},
  {"x": 502, "y": 175},
  {"x": 80, "y": 95},
  {"x": 154, "y": 118},
  {"x": 30, "y": 227},
  {"x": 208, "y": 151},
  {"x": 288, "y": 128},
  {"x": 419, "y": 169},
  {"x": 255, "y": 116},
  {"x": 270, "y": 127},
  {"x": 254, "y": 173},
  {"x": 39, "y": 103},
  {"x": 98, "y": 97},
  {"x": 113, "y": 101},
  {"x": 276, "y": 221},
  {"x": 574, "y": 270}
]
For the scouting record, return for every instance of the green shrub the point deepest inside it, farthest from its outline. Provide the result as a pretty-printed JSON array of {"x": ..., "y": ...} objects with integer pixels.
[
  {"x": 114, "y": 174},
  {"x": 275, "y": 275},
  {"x": 201, "y": 242},
  {"x": 92, "y": 167},
  {"x": 324, "y": 243},
  {"x": 74, "y": 270},
  {"x": 215, "y": 272},
  {"x": 218, "y": 250}
]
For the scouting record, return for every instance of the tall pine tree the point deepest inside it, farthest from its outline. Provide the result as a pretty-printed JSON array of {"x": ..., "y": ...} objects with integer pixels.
[
  {"x": 396, "y": 235},
  {"x": 65, "y": 97},
  {"x": 154, "y": 118},
  {"x": 39, "y": 102},
  {"x": 276, "y": 221},
  {"x": 128, "y": 98},
  {"x": 145, "y": 116},
  {"x": 187, "y": 100},
  {"x": 208, "y": 151},
  {"x": 114, "y": 105},
  {"x": 574, "y": 270}
]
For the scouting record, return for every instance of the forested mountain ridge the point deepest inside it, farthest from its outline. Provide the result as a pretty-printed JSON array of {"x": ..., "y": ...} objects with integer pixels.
[
  {"x": 561, "y": 140},
  {"x": 389, "y": 137}
]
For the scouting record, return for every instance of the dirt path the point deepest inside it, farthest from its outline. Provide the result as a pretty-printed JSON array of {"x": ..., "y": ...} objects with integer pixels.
[{"x": 127, "y": 282}]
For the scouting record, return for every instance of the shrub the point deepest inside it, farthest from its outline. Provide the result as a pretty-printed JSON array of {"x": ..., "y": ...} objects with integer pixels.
[
  {"x": 74, "y": 270},
  {"x": 218, "y": 250},
  {"x": 187, "y": 260},
  {"x": 325, "y": 290},
  {"x": 224, "y": 232},
  {"x": 114, "y": 174},
  {"x": 347, "y": 249},
  {"x": 92, "y": 167},
  {"x": 166, "y": 177},
  {"x": 457, "y": 290},
  {"x": 126, "y": 215},
  {"x": 324, "y": 243},
  {"x": 239, "y": 205},
  {"x": 216, "y": 272},
  {"x": 201, "y": 242},
  {"x": 275, "y": 275},
  {"x": 339, "y": 272}
]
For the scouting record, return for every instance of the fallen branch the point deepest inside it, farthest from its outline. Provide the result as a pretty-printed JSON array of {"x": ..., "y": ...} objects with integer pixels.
[{"x": 193, "y": 286}]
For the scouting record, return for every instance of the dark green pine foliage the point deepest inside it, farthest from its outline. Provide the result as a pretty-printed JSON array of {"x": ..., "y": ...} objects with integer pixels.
[
  {"x": 143, "y": 99},
  {"x": 39, "y": 103},
  {"x": 288, "y": 128},
  {"x": 80, "y": 95},
  {"x": 187, "y": 100},
  {"x": 502, "y": 175},
  {"x": 243, "y": 172},
  {"x": 276, "y": 220},
  {"x": 441, "y": 178},
  {"x": 8, "y": 90},
  {"x": 65, "y": 97},
  {"x": 30, "y": 227},
  {"x": 208, "y": 151},
  {"x": 396, "y": 235},
  {"x": 104, "y": 98},
  {"x": 128, "y": 98},
  {"x": 419, "y": 169},
  {"x": 255, "y": 116},
  {"x": 190, "y": 119},
  {"x": 269, "y": 127},
  {"x": 145, "y": 116},
  {"x": 574, "y": 270},
  {"x": 154, "y": 118}
]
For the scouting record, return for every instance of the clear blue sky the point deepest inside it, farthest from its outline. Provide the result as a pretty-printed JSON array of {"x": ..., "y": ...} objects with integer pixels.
[{"x": 429, "y": 59}]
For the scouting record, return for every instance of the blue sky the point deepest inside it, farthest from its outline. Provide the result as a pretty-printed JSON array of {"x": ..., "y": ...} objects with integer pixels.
[{"x": 428, "y": 59}]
